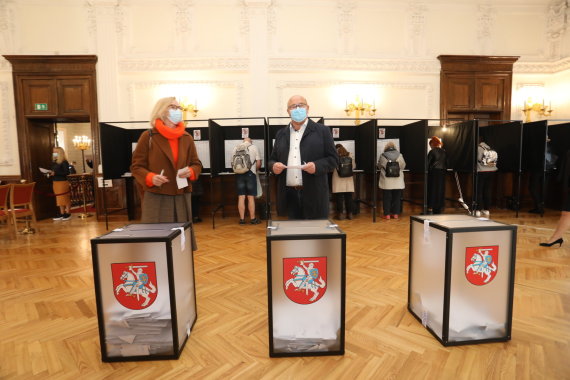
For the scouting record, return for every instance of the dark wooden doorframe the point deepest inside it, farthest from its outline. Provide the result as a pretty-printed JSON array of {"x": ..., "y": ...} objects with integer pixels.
[{"x": 62, "y": 68}]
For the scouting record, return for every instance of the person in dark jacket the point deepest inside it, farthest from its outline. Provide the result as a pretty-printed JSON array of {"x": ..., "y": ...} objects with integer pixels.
[
  {"x": 437, "y": 167},
  {"x": 302, "y": 156},
  {"x": 61, "y": 187}
]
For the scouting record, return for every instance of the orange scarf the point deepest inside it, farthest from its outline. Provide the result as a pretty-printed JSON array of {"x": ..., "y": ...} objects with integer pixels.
[{"x": 171, "y": 134}]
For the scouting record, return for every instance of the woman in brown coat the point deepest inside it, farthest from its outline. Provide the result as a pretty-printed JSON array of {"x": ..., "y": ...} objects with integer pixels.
[{"x": 163, "y": 153}]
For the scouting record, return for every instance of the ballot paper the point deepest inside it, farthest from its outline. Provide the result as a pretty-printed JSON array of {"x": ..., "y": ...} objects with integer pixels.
[
  {"x": 45, "y": 171},
  {"x": 181, "y": 182}
]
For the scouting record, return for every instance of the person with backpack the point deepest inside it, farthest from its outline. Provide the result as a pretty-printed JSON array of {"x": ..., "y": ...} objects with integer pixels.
[
  {"x": 343, "y": 183},
  {"x": 437, "y": 168},
  {"x": 487, "y": 160},
  {"x": 391, "y": 164},
  {"x": 246, "y": 161}
]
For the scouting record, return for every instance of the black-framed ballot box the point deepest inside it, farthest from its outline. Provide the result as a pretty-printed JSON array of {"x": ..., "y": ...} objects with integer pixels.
[
  {"x": 461, "y": 277},
  {"x": 306, "y": 280},
  {"x": 145, "y": 289}
]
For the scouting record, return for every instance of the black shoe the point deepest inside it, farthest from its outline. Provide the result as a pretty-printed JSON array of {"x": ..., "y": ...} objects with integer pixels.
[
  {"x": 66, "y": 217},
  {"x": 58, "y": 217},
  {"x": 559, "y": 241},
  {"x": 242, "y": 221},
  {"x": 196, "y": 219},
  {"x": 536, "y": 211},
  {"x": 255, "y": 221}
]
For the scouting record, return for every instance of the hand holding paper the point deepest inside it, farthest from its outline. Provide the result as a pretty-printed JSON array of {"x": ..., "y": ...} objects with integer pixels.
[{"x": 182, "y": 177}]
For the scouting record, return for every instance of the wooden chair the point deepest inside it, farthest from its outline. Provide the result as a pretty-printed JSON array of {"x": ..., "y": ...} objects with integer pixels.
[
  {"x": 4, "y": 213},
  {"x": 21, "y": 206}
]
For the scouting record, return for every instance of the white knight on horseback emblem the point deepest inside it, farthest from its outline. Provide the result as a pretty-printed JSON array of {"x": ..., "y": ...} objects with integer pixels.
[
  {"x": 481, "y": 264},
  {"x": 134, "y": 284},
  {"x": 305, "y": 279}
]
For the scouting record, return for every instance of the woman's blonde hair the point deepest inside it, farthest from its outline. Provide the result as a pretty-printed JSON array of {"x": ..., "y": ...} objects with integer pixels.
[
  {"x": 61, "y": 156},
  {"x": 159, "y": 110}
]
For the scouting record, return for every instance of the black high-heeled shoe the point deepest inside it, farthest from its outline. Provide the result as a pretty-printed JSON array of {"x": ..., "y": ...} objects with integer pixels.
[{"x": 559, "y": 241}]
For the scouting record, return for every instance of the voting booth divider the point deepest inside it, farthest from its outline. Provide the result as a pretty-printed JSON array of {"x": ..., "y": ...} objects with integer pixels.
[
  {"x": 145, "y": 291},
  {"x": 306, "y": 288},
  {"x": 461, "y": 277}
]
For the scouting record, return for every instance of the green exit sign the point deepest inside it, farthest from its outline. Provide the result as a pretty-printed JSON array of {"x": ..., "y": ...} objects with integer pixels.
[{"x": 40, "y": 107}]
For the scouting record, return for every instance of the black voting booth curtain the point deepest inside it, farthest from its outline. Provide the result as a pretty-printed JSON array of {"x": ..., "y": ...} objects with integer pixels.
[{"x": 506, "y": 140}]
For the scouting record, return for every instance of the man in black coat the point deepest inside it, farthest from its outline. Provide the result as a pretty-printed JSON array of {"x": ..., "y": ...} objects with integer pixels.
[{"x": 302, "y": 157}]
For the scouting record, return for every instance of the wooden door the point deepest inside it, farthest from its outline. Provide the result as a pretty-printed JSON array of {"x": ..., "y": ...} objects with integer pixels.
[{"x": 41, "y": 142}]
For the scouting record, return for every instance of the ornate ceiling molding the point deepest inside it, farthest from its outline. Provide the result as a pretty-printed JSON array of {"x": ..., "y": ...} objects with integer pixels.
[{"x": 213, "y": 63}]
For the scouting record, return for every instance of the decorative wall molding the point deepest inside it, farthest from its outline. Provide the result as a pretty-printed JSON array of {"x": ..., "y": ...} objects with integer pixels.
[
  {"x": 556, "y": 24},
  {"x": 542, "y": 67},
  {"x": 132, "y": 89},
  {"x": 416, "y": 26},
  {"x": 428, "y": 88},
  {"x": 6, "y": 158},
  {"x": 294, "y": 64},
  {"x": 159, "y": 64},
  {"x": 7, "y": 27}
]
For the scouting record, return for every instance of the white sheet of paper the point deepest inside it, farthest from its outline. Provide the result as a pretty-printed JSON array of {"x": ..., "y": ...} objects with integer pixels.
[
  {"x": 181, "y": 182},
  {"x": 296, "y": 167},
  {"x": 45, "y": 171}
]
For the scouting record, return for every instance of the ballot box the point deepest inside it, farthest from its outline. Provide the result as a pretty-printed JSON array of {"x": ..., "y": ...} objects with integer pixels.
[
  {"x": 306, "y": 280},
  {"x": 145, "y": 291},
  {"x": 461, "y": 277}
]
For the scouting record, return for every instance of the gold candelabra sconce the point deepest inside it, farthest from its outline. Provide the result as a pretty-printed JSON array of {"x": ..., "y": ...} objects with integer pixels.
[
  {"x": 189, "y": 108},
  {"x": 82, "y": 143},
  {"x": 360, "y": 109},
  {"x": 540, "y": 109}
]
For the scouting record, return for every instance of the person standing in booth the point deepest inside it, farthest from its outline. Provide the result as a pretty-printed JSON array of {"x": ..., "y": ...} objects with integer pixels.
[
  {"x": 61, "y": 187},
  {"x": 249, "y": 161},
  {"x": 391, "y": 181},
  {"x": 343, "y": 187},
  {"x": 302, "y": 157},
  {"x": 164, "y": 162},
  {"x": 437, "y": 167},
  {"x": 486, "y": 168}
]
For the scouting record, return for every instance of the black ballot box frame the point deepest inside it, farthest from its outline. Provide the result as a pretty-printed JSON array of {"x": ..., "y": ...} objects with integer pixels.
[
  {"x": 306, "y": 237},
  {"x": 449, "y": 270},
  {"x": 173, "y": 232}
]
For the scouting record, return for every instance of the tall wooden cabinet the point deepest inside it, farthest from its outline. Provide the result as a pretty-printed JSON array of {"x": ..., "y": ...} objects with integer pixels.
[
  {"x": 50, "y": 89},
  {"x": 476, "y": 87}
]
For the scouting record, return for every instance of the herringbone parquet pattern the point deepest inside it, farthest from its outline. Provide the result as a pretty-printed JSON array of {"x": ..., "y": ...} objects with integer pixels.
[{"x": 48, "y": 321}]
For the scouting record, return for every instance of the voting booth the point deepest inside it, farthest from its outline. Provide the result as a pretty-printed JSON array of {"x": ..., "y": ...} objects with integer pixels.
[
  {"x": 145, "y": 290},
  {"x": 306, "y": 279},
  {"x": 461, "y": 277}
]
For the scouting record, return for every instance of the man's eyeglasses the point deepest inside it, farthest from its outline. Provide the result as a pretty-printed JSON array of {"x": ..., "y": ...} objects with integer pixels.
[
  {"x": 299, "y": 105},
  {"x": 174, "y": 107}
]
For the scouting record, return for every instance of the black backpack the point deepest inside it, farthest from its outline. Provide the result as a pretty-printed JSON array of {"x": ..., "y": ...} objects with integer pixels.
[
  {"x": 392, "y": 168},
  {"x": 345, "y": 167}
]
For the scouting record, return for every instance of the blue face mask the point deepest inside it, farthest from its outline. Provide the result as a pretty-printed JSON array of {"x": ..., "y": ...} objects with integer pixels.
[
  {"x": 175, "y": 116},
  {"x": 299, "y": 114}
]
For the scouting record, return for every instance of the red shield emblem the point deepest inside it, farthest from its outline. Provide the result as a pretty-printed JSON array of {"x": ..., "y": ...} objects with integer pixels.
[
  {"x": 134, "y": 284},
  {"x": 481, "y": 264},
  {"x": 305, "y": 279}
]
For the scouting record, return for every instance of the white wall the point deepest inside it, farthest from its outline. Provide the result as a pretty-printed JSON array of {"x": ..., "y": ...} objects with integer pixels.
[{"x": 245, "y": 58}]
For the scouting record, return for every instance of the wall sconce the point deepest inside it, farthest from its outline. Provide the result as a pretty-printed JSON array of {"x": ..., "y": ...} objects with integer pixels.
[
  {"x": 541, "y": 109},
  {"x": 189, "y": 108},
  {"x": 360, "y": 109},
  {"x": 82, "y": 143}
]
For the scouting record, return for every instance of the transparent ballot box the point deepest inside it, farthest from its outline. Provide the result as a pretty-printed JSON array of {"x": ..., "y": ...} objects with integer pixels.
[
  {"x": 145, "y": 290},
  {"x": 461, "y": 277},
  {"x": 306, "y": 279}
]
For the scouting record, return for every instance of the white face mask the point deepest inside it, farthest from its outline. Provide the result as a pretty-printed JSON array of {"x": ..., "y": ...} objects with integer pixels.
[
  {"x": 55, "y": 155},
  {"x": 175, "y": 116}
]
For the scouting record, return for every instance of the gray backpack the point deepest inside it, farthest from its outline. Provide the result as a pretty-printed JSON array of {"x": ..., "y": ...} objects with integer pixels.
[{"x": 241, "y": 163}]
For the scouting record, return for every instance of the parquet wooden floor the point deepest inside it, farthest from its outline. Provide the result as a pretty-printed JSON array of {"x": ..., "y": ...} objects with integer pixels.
[{"x": 48, "y": 322}]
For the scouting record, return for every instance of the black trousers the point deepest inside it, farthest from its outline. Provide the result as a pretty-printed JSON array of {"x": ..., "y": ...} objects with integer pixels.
[
  {"x": 392, "y": 201},
  {"x": 294, "y": 203},
  {"x": 484, "y": 187},
  {"x": 346, "y": 199},
  {"x": 436, "y": 190}
]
